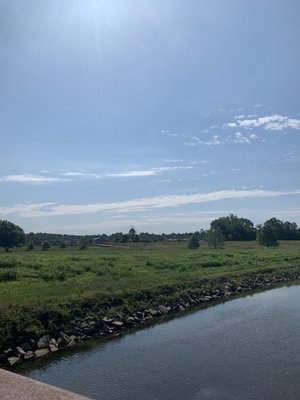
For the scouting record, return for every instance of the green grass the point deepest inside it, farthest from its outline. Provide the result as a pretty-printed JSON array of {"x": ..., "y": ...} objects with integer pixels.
[{"x": 44, "y": 290}]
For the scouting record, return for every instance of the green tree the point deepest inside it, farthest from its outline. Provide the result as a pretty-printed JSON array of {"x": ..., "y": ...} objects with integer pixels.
[
  {"x": 133, "y": 236},
  {"x": 30, "y": 247},
  {"x": 215, "y": 238},
  {"x": 235, "y": 228},
  {"x": 84, "y": 243},
  {"x": 290, "y": 231},
  {"x": 45, "y": 246},
  {"x": 267, "y": 235},
  {"x": 63, "y": 245},
  {"x": 284, "y": 230},
  {"x": 193, "y": 242},
  {"x": 11, "y": 235},
  {"x": 125, "y": 238}
]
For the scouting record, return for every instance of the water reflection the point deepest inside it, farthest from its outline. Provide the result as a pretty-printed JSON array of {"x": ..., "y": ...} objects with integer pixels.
[{"x": 243, "y": 349}]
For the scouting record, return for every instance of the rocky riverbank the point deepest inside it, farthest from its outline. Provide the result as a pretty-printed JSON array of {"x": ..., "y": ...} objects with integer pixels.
[{"x": 103, "y": 326}]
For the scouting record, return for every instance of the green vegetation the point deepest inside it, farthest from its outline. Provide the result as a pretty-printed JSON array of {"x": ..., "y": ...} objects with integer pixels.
[
  {"x": 11, "y": 235},
  {"x": 43, "y": 291},
  {"x": 84, "y": 243},
  {"x": 267, "y": 236},
  {"x": 234, "y": 228},
  {"x": 193, "y": 242},
  {"x": 215, "y": 238}
]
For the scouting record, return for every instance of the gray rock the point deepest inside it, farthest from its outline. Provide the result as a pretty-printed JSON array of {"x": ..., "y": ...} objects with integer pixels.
[
  {"x": 53, "y": 345},
  {"x": 140, "y": 315},
  {"x": 60, "y": 342},
  {"x": 41, "y": 353},
  {"x": 105, "y": 327},
  {"x": 12, "y": 361},
  {"x": 153, "y": 312},
  {"x": 65, "y": 337},
  {"x": 43, "y": 342},
  {"x": 10, "y": 352},
  {"x": 20, "y": 352},
  {"x": 181, "y": 308},
  {"x": 89, "y": 330},
  {"x": 26, "y": 347},
  {"x": 163, "y": 309},
  {"x": 71, "y": 343},
  {"x": 137, "y": 319},
  {"x": 121, "y": 317},
  {"x": 117, "y": 324},
  {"x": 130, "y": 321},
  {"x": 29, "y": 356}
]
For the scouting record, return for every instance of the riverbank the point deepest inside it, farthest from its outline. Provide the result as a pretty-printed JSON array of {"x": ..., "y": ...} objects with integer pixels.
[
  {"x": 50, "y": 300},
  {"x": 105, "y": 327}
]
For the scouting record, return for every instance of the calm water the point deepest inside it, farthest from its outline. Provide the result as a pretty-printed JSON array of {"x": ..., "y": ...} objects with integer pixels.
[{"x": 248, "y": 348}]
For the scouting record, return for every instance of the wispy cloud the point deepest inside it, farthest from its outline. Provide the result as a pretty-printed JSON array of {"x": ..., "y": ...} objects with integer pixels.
[
  {"x": 157, "y": 202},
  {"x": 38, "y": 179},
  {"x": 125, "y": 174},
  {"x": 197, "y": 141},
  {"x": 240, "y": 138},
  {"x": 274, "y": 122},
  {"x": 32, "y": 179}
]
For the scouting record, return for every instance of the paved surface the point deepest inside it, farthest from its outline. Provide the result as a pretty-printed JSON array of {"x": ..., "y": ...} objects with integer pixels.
[{"x": 17, "y": 387}]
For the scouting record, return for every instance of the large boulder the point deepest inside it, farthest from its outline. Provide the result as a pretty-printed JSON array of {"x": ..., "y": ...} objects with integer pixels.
[
  {"x": 41, "y": 353},
  {"x": 20, "y": 351},
  {"x": 105, "y": 327},
  {"x": 163, "y": 309},
  {"x": 12, "y": 361},
  {"x": 53, "y": 346},
  {"x": 117, "y": 324},
  {"x": 65, "y": 338},
  {"x": 153, "y": 312},
  {"x": 26, "y": 347},
  {"x": 43, "y": 342},
  {"x": 29, "y": 356}
]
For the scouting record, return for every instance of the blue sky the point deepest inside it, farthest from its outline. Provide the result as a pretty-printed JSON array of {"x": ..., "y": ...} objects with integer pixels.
[{"x": 157, "y": 114}]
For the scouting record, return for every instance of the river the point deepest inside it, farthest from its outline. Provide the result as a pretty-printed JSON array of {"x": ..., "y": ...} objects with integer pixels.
[{"x": 246, "y": 348}]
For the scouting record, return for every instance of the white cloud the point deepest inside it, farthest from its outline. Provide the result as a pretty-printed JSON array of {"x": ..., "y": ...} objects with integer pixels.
[
  {"x": 31, "y": 179},
  {"x": 253, "y": 136},
  {"x": 240, "y": 138},
  {"x": 131, "y": 174},
  {"x": 157, "y": 202},
  {"x": 125, "y": 174},
  {"x": 196, "y": 141},
  {"x": 71, "y": 175},
  {"x": 274, "y": 122}
]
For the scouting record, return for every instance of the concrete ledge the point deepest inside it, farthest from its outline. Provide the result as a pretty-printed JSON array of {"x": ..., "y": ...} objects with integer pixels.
[{"x": 18, "y": 387}]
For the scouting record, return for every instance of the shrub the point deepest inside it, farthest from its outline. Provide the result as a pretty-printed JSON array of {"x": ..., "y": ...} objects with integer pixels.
[
  {"x": 30, "y": 247},
  {"x": 193, "y": 242},
  {"x": 45, "y": 246},
  {"x": 54, "y": 274},
  {"x": 211, "y": 263},
  {"x": 6, "y": 276}
]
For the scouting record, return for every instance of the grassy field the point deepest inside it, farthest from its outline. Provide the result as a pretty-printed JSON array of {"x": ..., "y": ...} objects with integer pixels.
[{"x": 40, "y": 291}]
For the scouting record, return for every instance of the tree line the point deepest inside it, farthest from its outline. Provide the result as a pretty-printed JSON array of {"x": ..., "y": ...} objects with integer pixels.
[{"x": 227, "y": 228}]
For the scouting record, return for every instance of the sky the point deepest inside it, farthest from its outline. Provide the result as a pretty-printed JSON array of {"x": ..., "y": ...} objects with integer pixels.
[{"x": 157, "y": 114}]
